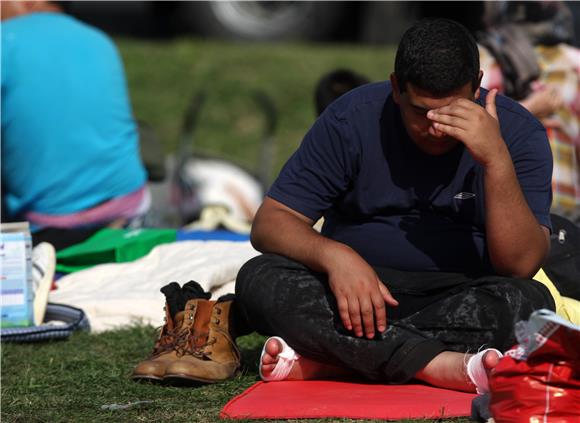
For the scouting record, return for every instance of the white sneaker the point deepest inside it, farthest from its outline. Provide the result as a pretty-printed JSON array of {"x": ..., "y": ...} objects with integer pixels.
[{"x": 43, "y": 265}]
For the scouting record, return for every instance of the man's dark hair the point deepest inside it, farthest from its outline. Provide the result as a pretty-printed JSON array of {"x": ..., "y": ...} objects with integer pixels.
[
  {"x": 438, "y": 56},
  {"x": 334, "y": 84}
]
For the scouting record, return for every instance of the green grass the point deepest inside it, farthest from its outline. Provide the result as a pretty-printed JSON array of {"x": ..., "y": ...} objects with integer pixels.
[
  {"x": 163, "y": 76},
  {"x": 70, "y": 381}
]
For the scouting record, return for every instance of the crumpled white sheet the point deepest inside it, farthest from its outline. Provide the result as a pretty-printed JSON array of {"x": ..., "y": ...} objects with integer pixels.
[{"x": 121, "y": 294}]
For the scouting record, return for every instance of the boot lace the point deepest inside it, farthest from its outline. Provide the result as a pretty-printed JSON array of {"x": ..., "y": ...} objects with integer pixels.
[
  {"x": 192, "y": 343},
  {"x": 166, "y": 342},
  {"x": 189, "y": 343}
]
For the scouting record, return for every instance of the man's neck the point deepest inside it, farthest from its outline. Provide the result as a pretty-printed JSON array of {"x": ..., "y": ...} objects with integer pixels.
[{"x": 47, "y": 6}]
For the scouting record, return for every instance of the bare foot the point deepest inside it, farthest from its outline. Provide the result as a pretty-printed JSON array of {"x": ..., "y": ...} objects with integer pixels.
[
  {"x": 489, "y": 360},
  {"x": 302, "y": 369},
  {"x": 448, "y": 370}
]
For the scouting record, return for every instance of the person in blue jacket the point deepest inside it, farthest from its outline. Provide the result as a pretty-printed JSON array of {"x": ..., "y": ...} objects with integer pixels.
[
  {"x": 435, "y": 195},
  {"x": 70, "y": 151}
]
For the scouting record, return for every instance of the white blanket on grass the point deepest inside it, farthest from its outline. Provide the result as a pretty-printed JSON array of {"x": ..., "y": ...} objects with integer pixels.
[{"x": 121, "y": 294}]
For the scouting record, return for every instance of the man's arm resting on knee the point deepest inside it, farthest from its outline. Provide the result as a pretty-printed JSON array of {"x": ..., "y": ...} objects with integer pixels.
[{"x": 359, "y": 293}]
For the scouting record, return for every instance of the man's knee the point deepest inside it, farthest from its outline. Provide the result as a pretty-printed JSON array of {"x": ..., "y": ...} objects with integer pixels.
[
  {"x": 259, "y": 282},
  {"x": 256, "y": 272},
  {"x": 266, "y": 291},
  {"x": 535, "y": 294},
  {"x": 500, "y": 302},
  {"x": 523, "y": 296}
]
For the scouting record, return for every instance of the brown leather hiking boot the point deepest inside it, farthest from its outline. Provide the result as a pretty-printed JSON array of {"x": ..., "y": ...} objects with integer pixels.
[
  {"x": 210, "y": 355},
  {"x": 153, "y": 368}
]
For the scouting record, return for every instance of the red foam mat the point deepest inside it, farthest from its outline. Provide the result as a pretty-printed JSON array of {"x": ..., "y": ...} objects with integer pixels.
[{"x": 333, "y": 399}]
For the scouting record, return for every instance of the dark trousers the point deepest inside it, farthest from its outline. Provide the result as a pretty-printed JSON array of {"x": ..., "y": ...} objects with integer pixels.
[{"x": 437, "y": 312}]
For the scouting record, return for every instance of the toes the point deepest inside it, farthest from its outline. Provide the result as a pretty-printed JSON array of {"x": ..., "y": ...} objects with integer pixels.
[
  {"x": 268, "y": 368},
  {"x": 273, "y": 347},
  {"x": 268, "y": 359}
]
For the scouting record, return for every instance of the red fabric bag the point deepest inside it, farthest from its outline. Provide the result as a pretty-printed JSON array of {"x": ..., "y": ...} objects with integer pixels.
[{"x": 539, "y": 379}]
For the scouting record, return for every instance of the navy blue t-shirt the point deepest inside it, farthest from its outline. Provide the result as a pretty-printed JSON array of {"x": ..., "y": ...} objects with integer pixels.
[{"x": 395, "y": 205}]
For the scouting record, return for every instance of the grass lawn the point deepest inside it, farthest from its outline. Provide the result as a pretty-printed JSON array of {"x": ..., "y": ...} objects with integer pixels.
[{"x": 70, "y": 381}]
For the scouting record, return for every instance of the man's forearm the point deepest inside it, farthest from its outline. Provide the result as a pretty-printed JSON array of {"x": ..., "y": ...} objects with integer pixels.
[
  {"x": 280, "y": 232},
  {"x": 516, "y": 242}
]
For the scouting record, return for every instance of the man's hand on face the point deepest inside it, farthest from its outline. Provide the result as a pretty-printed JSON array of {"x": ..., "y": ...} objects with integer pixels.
[
  {"x": 360, "y": 295},
  {"x": 476, "y": 127}
]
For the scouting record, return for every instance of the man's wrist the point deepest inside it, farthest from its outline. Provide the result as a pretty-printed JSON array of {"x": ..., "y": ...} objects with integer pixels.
[
  {"x": 499, "y": 162},
  {"x": 329, "y": 252}
]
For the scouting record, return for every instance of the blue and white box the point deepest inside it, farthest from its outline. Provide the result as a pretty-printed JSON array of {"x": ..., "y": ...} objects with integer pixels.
[{"x": 17, "y": 296}]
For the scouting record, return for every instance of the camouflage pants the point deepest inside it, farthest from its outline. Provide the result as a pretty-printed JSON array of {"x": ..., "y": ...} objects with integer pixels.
[{"x": 437, "y": 312}]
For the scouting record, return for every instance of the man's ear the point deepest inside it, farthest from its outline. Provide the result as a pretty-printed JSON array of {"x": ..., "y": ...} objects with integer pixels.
[
  {"x": 478, "y": 91},
  {"x": 396, "y": 91}
]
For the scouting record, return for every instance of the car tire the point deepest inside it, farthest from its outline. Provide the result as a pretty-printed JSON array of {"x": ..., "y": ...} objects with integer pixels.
[{"x": 263, "y": 20}]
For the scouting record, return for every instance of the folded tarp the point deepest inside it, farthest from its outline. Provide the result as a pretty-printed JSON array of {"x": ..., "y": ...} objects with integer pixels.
[{"x": 334, "y": 399}]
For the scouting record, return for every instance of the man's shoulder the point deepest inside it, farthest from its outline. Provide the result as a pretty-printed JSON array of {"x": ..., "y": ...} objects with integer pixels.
[{"x": 82, "y": 29}]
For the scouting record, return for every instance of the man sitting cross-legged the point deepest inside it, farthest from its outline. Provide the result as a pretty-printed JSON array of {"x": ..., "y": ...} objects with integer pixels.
[{"x": 436, "y": 196}]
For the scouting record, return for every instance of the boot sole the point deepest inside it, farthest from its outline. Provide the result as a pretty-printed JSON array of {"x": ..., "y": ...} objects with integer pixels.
[
  {"x": 181, "y": 379},
  {"x": 147, "y": 379}
]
